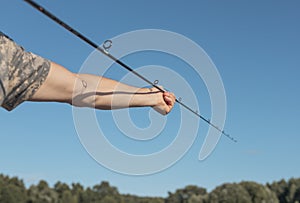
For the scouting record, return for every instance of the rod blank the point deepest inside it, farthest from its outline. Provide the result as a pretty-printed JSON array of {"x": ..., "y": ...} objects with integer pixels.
[{"x": 94, "y": 45}]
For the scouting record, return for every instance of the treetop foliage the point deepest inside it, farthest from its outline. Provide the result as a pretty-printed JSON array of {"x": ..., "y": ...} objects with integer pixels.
[{"x": 13, "y": 190}]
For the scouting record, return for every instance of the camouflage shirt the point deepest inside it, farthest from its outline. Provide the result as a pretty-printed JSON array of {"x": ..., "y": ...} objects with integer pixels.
[{"x": 21, "y": 73}]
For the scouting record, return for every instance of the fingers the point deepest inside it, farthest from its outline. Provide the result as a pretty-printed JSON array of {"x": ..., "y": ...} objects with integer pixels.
[
  {"x": 169, "y": 99},
  {"x": 166, "y": 102}
]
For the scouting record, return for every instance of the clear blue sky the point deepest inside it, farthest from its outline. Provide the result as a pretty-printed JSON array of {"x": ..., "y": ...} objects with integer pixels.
[{"x": 254, "y": 45}]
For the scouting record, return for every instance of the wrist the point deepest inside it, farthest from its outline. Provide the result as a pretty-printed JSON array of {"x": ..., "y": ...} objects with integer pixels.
[{"x": 151, "y": 96}]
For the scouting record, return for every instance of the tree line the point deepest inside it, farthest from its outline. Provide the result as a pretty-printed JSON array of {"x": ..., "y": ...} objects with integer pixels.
[{"x": 13, "y": 190}]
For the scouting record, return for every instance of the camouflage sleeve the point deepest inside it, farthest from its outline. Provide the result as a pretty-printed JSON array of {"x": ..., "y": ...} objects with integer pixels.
[{"x": 21, "y": 73}]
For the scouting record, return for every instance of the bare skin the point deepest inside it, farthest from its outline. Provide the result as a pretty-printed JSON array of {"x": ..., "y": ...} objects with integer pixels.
[{"x": 86, "y": 90}]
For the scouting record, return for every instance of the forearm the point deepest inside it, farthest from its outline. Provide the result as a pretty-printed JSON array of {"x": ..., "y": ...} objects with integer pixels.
[{"x": 104, "y": 93}]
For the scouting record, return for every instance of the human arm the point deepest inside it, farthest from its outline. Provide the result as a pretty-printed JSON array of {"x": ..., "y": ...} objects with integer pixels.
[{"x": 86, "y": 90}]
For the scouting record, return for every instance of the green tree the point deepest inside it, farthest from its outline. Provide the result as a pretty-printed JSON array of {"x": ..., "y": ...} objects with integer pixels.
[
  {"x": 62, "y": 190},
  {"x": 89, "y": 196},
  {"x": 12, "y": 190},
  {"x": 293, "y": 190},
  {"x": 104, "y": 190},
  {"x": 78, "y": 192},
  {"x": 198, "y": 198},
  {"x": 280, "y": 188},
  {"x": 136, "y": 199},
  {"x": 67, "y": 197},
  {"x": 259, "y": 193},
  {"x": 187, "y": 194},
  {"x": 42, "y": 193},
  {"x": 229, "y": 193},
  {"x": 109, "y": 199}
]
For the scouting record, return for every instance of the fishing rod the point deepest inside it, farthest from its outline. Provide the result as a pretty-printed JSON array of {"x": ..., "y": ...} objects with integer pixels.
[{"x": 104, "y": 50}]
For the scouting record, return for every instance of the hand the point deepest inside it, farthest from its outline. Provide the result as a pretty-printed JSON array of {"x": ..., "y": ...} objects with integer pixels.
[{"x": 165, "y": 102}]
